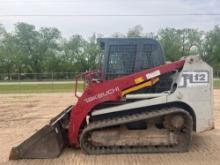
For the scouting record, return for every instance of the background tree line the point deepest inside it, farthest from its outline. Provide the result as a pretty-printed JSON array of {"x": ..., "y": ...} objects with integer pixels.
[{"x": 28, "y": 50}]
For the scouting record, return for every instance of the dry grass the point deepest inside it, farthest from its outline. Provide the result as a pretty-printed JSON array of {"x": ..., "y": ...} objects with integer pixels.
[{"x": 22, "y": 114}]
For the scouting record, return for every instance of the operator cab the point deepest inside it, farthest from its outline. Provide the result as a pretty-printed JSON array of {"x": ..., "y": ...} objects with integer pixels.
[{"x": 124, "y": 56}]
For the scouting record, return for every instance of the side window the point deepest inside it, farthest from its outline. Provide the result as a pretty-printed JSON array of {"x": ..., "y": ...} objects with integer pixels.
[
  {"x": 121, "y": 59},
  {"x": 147, "y": 59}
]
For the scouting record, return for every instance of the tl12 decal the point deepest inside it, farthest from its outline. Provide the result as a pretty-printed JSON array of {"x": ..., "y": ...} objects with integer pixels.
[{"x": 195, "y": 78}]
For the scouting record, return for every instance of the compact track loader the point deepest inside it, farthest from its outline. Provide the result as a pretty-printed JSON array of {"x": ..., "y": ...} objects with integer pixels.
[{"x": 137, "y": 103}]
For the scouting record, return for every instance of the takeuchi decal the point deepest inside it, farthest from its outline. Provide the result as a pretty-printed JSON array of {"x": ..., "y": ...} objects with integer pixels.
[{"x": 101, "y": 95}]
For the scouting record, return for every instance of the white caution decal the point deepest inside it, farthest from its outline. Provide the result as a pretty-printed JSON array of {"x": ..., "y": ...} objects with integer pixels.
[{"x": 153, "y": 74}]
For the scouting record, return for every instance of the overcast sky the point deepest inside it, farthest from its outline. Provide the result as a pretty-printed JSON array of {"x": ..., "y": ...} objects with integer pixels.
[{"x": 86, "y": 25}]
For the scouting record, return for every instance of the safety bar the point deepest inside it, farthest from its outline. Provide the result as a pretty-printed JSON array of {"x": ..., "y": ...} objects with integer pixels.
[{"x": 88, "y": 77}]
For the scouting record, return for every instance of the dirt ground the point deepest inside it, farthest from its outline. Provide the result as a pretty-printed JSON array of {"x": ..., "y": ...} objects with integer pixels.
[{"x": 22, "y": 114}]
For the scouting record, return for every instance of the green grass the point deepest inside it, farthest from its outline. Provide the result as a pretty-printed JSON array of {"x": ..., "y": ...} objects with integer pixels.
[
  {"x": 38, "y": 88},
  {"x": 217, "y": 84},
  {"x": 50, "y": 88}
]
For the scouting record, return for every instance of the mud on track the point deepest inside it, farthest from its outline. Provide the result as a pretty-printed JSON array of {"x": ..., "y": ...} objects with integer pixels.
[{"x": 23, "y": 114}]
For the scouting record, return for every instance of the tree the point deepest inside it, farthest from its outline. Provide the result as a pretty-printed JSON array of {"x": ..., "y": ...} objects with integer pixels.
[
  {"x": 81, "y": 55},
  {"x": 190, "y": 38},
  {"x": 2, "y": 32},
  {"x": 213, "y": 48},
  {"x": 118, "y": 35},
  {"x": 150, "y": 35},
  {"x": 39, "y": 49},
  {"x": 12, "y": 58},
  {"x": 179, "y": 42},
  {"x": 49, "y": 48},
  {"x": 30, "y": 50},
  {"x": 92, "y": 54},
  {"x": 136, "y": 31},
  {"x": 27, "y": 39},
  {"x": 73, "y": 50},
  {"x": 171, "y": 43}
]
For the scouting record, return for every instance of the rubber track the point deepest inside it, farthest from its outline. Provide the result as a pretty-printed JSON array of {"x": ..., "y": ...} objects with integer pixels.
[{"x": 182, "y": 147}]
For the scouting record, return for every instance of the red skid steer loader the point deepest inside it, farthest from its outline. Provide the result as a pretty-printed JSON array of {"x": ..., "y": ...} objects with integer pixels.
[{"x": 139, "y": 104}]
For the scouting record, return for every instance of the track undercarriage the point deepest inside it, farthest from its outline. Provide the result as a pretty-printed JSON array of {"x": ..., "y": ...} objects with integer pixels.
[{"x": 162, "y": 130}]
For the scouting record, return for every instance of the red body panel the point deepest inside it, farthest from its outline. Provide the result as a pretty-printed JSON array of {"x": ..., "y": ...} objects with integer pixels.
[{"x": 110, "y": 90}]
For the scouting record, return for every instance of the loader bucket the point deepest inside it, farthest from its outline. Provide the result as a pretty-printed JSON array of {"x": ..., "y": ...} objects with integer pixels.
[{"x": 48, "y": 142}]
